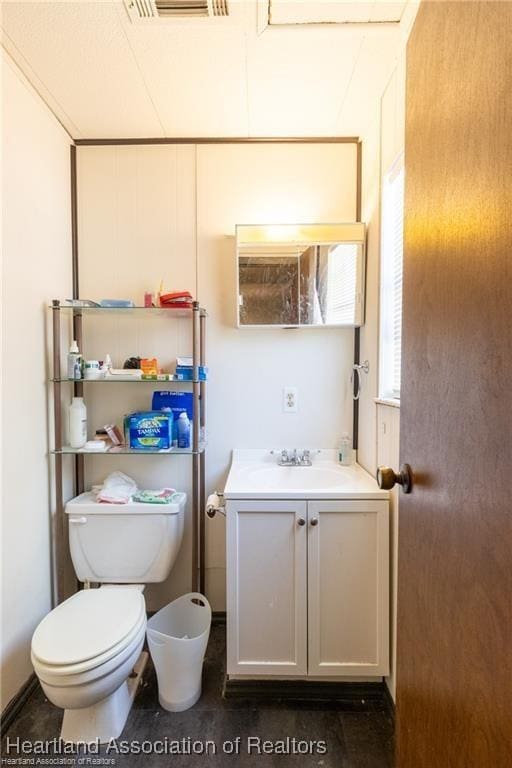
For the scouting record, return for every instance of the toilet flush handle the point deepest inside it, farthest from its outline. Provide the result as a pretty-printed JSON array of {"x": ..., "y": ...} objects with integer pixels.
[{"x": 78, "y": 520}]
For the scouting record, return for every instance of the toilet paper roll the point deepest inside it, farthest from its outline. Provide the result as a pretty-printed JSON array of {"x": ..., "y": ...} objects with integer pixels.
[{"x": 214, "y": 505}]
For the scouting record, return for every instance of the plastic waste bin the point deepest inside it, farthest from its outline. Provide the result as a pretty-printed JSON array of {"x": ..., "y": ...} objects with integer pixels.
[{"x": 177, "y": 638}]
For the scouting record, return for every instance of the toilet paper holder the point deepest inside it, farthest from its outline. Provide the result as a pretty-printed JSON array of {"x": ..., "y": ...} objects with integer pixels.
[{"x": 214, "y": 504}]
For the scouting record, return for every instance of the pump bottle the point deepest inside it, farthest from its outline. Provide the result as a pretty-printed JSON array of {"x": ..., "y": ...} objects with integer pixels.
[{"x": 74, "y": 357}]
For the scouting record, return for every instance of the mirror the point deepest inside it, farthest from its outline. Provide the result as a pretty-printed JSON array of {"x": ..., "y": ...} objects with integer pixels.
[{"x": 290, "y": 276}]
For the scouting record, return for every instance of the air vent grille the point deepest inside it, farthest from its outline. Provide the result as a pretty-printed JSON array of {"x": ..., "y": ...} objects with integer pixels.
[
  {"x": 219, "y": 7},
  {"x": 167, "y": 8},
  {"x": 145, "y": 10}
]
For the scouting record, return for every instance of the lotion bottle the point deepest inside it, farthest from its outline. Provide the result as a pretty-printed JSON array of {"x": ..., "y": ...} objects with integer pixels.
[{"x": 77, "y": 423}]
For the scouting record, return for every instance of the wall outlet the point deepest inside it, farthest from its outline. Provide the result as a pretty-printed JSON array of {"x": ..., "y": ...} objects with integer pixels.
[{"x": 290, "y": 400}]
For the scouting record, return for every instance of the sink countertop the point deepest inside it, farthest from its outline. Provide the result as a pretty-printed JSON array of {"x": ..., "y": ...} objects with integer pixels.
[{"x": 255, "y": 474}]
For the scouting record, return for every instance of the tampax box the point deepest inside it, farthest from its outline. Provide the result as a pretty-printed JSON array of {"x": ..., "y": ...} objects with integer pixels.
[{"x": 149, "y": 429}]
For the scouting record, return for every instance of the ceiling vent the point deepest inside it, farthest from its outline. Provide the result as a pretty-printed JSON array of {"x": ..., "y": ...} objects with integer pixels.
[{"x": 153, "y": 10}]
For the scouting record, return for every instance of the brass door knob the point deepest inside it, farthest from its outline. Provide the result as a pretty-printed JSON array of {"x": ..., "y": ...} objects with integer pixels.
[
  {"x": 301, "y": 521},
  {"x": 386, "y": 478},
  {"x": 314, "y": 521}
]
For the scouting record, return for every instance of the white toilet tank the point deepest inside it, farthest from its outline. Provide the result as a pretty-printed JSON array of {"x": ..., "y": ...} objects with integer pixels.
[{"x": 124, "y": 543}]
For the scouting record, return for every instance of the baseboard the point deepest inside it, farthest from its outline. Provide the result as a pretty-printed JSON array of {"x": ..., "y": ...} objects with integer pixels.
[
  {"x": 357, "y": 696},
  {"x": 17, "y": 703},
  {"x": 389, "y": 701}
]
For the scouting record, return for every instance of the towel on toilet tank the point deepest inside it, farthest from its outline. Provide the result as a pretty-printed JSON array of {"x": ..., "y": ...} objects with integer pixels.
[{"x": 117, "y": 488}]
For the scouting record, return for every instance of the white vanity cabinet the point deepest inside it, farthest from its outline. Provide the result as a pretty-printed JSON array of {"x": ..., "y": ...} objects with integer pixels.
[{"x": 308, "y": 588}]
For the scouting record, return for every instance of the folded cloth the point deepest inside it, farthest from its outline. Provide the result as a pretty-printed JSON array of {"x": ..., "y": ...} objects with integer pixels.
[
  {"x": 155, "y": 497},
  {"x": 97, "y": 446},
  {"x": 117, "y": 488}
]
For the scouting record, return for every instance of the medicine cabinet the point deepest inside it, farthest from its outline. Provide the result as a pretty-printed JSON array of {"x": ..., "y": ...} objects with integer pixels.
[{"x": 294, "y": 276}]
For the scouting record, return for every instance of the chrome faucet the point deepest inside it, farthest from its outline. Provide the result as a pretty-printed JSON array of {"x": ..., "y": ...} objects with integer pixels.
[{"x": 294, "y": 459}]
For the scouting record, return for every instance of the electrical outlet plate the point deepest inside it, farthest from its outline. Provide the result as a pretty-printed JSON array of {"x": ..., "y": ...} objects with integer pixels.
[{"x": 290, "y": 400}]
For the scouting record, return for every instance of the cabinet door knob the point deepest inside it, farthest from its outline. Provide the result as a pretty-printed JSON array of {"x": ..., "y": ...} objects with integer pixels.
[
  {"x": 301, "y": 521},
  {"x": 314, "y": 521}
]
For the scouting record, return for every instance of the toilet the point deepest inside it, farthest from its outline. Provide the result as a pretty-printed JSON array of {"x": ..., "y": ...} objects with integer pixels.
[{"x": 87, "y": 652}]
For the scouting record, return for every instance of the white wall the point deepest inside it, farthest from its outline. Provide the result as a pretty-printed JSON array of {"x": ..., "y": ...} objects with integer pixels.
[
  {"x": 370, "y": 213},
  {"x": 36, "y": 266},
  {"x": 388, "y": 454},
  {"x": 137, "y": 226},
  {"x": 143, "y": 212},
  {"x": 380, "y": 423},
  {"x": 267, "y": 184}
]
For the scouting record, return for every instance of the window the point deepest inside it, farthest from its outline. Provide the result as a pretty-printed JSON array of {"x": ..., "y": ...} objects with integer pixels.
[
  {"x": 392, "y": 241},
  {"x": 342, "y": 263}
]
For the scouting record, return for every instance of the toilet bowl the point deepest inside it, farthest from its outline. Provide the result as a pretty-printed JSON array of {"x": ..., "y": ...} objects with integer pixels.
[{"x": 83, "y": 652}]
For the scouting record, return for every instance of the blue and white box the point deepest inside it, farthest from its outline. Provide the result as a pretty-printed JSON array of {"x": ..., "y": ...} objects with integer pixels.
[
  {"x": 175, "y": 403},
  {"x": 186, "y": 373},
  {"x": 150, "y": 430}
]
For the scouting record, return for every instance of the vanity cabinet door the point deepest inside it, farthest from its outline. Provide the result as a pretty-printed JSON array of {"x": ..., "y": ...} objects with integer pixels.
[
  {"x": 266, "y": 588},
  {"x": 348, "y": 588}
]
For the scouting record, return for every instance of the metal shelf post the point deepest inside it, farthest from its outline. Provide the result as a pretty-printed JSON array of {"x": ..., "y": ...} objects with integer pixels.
[
  {"x": 196, "y": 330},
  {"x": 202, "y": 457}
]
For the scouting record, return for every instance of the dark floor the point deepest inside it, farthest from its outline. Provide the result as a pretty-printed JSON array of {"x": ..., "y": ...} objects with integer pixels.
[{"x": 354, "y": 737}]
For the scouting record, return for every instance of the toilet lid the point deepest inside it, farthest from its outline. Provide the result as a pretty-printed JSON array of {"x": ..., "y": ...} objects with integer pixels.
[{"x": 87, "y": 624}]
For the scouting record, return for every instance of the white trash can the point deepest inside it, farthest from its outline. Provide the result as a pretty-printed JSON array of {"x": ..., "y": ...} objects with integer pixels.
[{"x": 177, "y": 637}]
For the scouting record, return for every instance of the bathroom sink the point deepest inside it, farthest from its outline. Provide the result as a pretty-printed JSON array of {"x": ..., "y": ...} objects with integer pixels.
[
  {"x": 302, "y": 478},
  {"x": 256, "y": 474}
]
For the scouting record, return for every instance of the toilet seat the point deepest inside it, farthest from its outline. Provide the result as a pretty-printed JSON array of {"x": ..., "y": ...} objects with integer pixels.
[
  {"x": 76, "y": 674},
  {"x": 87, "y": 630}
]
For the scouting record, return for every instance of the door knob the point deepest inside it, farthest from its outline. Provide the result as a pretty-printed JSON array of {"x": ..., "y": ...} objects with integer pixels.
[
  {"x": 301, "y": 521},
  {"x": 314, "y": 521},
  {"x": 386, "y": 478}
]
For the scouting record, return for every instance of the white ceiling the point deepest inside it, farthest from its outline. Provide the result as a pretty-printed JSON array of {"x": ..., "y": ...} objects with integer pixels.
[{"x": 107, "y": 77}]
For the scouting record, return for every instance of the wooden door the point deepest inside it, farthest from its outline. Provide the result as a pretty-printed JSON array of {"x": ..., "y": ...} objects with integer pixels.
[
  {"x": 348, "y": 588},
  {"x": 454, "y": 661},
  {"x": 266, "y": 588}
]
